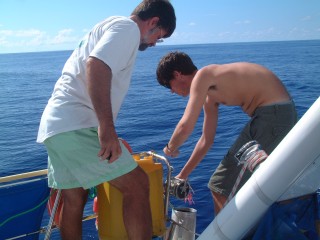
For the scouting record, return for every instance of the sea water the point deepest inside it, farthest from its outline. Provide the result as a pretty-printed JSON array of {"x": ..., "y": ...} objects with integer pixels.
[{"x": 150, "y": 112}]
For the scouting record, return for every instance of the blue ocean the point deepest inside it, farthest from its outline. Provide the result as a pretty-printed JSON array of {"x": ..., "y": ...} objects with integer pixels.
[{"x": 150, "y": 112}]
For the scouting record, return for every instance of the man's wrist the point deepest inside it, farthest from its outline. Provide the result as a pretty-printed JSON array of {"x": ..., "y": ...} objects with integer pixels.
[{"x": 169, "y": 149}]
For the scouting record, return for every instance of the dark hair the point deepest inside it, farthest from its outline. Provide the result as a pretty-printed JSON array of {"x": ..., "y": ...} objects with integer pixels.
[
  {"x": 157, "y": 8},
  {"x": 174, "y": 61}
]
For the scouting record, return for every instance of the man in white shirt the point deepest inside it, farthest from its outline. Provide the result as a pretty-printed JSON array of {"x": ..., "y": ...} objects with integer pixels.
[{"x": 77, "y": 125}]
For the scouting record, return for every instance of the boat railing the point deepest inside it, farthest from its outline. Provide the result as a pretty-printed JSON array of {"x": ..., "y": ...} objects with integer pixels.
[{"x": 23, "y": 176}]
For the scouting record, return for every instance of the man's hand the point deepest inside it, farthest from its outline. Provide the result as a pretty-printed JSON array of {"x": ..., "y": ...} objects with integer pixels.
[
  {"x": 181, "y": 176},
  {"x": 110, "y": 147},
  {"x": 171, "y": 153}
]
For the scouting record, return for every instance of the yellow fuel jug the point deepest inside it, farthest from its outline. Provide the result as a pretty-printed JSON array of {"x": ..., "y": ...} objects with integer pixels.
[{"x": 110, "y": 217}]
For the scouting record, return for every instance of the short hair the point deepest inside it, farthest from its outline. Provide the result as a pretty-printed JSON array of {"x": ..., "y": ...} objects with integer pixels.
[
  {"x": 158, "y": 8},
  {"x": 174, "y": 61}
]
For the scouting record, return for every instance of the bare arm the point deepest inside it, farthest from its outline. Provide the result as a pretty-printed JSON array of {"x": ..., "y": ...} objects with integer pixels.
[
  {"x": 205, "y": 141},
  {"x": 99, "y": 77},
  {"x": 198, "y": 95}
]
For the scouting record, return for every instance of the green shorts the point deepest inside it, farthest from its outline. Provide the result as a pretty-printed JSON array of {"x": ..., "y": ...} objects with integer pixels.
[
  {"x": 73, "y": 160},
  {"x": 268, "y": 126}
]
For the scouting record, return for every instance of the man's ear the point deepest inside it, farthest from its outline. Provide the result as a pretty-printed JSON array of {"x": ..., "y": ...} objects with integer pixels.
[
  {"x": 153, "y": 22},
  {"x": 176, "y": 74}
]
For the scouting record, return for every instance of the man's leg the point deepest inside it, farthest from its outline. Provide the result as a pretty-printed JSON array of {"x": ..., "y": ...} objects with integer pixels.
[
  {"x": 219, "y": 200},
  {"x": 74, "y": 201},
  {"x": 136, "y": 206}
]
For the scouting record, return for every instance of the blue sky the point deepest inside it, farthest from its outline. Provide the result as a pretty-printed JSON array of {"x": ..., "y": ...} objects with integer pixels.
[{"x": 34, "y": 25}]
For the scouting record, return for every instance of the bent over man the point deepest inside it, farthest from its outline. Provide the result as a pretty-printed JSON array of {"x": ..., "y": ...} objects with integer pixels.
[{"x": 257, "y": 90}]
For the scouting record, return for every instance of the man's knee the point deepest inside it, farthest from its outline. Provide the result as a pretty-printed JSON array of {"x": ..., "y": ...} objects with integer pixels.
[
  {"x": 219, "y": 201},
  {"x": 74, "y": 197},
  {"x": 135, "y": 182},
  {"x": 139, "y": 182},
  {"x": 141, "y": 177}
]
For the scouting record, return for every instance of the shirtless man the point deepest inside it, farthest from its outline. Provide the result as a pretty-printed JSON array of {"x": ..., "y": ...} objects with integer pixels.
[{"x": 254, "y": 88}]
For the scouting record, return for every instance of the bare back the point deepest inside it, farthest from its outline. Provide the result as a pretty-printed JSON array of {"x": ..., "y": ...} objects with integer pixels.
[{"x": 243, "y": 84}]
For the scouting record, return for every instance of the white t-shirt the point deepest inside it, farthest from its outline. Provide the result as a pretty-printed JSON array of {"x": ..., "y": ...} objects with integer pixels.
[{"x": 115, "y": 41}]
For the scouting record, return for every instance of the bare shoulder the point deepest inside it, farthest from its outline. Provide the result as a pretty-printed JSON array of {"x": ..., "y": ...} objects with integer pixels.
[
  {"x": 247, "y": 67},
  {"x": 240, "y": 66},
  {"x": 208, "y": 70},
  {"x": 204, "y": 76},
  {"x": 214, "y": 70},
  {"x": 239, "y": 70}
]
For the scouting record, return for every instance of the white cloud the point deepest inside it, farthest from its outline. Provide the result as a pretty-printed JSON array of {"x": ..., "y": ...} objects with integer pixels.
[
  {"x": 31, "y": 33},
  {"x": 192, "y": 24},
  {"x": 6, "y": 32},
  {"x": 21, "y": 33},
  {"x": 306, "y": 18},
  {"x": 224, "y": 34},
  {"x": 37, "y": 39},
  {"x": 13, "y": 40},
  {"x": 32, "y": 39},
  {"x": 64, "y": 36},
  {"x": 3, "y": 41}
]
